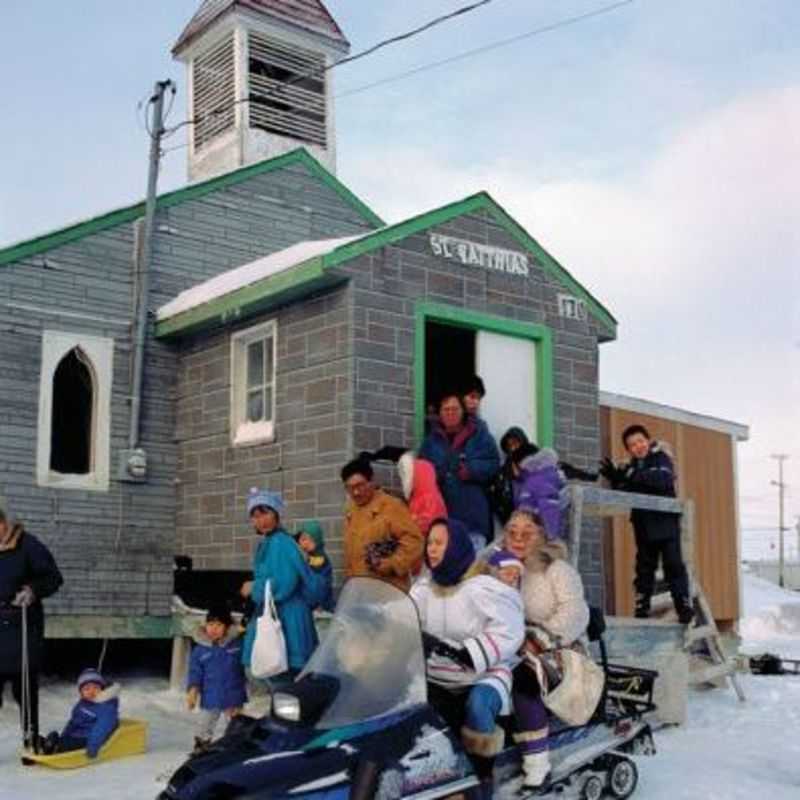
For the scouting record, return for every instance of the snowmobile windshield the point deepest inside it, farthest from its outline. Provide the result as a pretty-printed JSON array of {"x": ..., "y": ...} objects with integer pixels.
[{"x": 373, "y": 648}]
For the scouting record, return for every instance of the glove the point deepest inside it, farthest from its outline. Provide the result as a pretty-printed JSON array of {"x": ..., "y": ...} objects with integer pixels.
[
  {"x": 24, "y": 597},
  {"x": 192, "y": 696},
  {"x": 612, "y": 473},
  {"x": 433, "y": 645}
]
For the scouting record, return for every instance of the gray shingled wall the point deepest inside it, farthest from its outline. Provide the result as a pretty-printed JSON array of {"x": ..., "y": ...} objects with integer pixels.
[
  {"x": 312, "y": 435},
  {"x": 386, "y": 286},
  {"x": 368, "y": 363},
  {"x": 116, "y": 548}
]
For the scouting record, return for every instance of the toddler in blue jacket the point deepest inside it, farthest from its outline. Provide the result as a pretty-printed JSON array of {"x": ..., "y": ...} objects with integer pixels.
[
  {"x": 94, "y": 717},
  {"x": 216, "y": 677}
]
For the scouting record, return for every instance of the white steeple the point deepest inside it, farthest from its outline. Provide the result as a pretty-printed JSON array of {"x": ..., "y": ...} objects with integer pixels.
[{"x": 246, "y": 95}]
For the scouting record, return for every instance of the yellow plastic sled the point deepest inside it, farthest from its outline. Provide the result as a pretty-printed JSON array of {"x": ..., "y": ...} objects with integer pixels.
[{"x": 129, "y": 739}]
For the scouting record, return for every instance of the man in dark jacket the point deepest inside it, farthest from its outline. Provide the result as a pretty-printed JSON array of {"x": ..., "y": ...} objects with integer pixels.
[
  {"x": 658, "y": 533},
  {"x": 28, "y": 573}
]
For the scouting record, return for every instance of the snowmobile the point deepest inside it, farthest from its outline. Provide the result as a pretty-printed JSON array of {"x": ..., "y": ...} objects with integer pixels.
[{"x": 356, "y": 724}]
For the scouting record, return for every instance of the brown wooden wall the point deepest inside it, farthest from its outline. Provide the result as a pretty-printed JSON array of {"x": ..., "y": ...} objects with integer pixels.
[{"x": 705, "y": 465}]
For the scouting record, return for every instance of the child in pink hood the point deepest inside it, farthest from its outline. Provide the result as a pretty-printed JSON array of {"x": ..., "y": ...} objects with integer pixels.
[{"x": 422, "y": 494}]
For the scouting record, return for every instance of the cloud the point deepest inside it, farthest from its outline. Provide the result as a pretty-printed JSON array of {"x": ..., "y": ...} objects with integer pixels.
[{"x": 697, "y": 253}]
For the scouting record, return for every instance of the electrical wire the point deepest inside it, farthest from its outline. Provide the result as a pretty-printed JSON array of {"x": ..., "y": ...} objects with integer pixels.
[
  {"x": 487, "y": 48},
  {"x": 346, "y": 60}
]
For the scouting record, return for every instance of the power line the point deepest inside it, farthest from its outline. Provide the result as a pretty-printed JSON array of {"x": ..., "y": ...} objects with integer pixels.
[
  {"x": 487, "y": 48},
  {"x": 346, "y": 60}
]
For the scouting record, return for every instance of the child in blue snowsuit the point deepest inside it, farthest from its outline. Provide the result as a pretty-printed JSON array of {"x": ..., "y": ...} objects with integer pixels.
[
  {"x": 216, "y": 677},
  {"x": 94, "y": 717}
]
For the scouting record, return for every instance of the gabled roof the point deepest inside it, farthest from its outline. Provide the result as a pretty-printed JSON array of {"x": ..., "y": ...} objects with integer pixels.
[
  {"x": 310, "y": 15},
  {"x": 72, "y": 233},
  {"x": 309, "y": 266}
]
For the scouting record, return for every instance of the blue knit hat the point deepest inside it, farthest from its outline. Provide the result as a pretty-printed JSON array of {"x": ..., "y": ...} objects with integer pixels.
[
  {"x": 91, "y": 675},
  {"x": 264, "y": 497}
]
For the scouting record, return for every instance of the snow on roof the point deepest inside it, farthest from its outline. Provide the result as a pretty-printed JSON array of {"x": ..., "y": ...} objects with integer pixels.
[{"x": 248, "y": 274}]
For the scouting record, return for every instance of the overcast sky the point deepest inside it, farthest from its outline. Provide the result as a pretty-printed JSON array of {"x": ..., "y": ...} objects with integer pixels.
[{"x": 654, "y": 150}]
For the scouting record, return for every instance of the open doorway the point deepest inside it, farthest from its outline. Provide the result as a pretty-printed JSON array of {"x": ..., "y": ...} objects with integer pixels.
[
  {"x": 449, "y": 360},
  {"x": 506, "y": 360}
]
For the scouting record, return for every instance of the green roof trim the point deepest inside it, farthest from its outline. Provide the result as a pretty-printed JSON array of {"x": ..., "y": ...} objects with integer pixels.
[
  {"x": 481, "y": 201},
  {"x": 80, "y": 230},
  {"x": 270, "y": 292},
  {"x": 318, "y": 273}
]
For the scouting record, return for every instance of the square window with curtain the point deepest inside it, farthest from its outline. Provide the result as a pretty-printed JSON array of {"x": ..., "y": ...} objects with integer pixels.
[{"x": 253, "y": 357}]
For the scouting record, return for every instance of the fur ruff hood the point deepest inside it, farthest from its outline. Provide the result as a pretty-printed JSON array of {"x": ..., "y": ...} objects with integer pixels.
[
  {"x": 545, "y": 555},
  {"x": 546, "y": 457},
  {"x": 201, "y": 637}
]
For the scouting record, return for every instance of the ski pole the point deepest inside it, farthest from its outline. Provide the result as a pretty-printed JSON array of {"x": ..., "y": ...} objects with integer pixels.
[{"x": 25, "y": 700}]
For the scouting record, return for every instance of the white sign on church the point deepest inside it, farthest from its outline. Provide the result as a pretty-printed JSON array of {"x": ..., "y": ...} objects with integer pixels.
[{"x": 479, "y": 255}]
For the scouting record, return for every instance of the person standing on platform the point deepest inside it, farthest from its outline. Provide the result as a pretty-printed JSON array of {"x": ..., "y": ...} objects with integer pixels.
[{"x": 651, "y": 470}]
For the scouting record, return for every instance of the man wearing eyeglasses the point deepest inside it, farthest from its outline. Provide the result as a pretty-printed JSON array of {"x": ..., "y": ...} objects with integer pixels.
[{"x": 381, "y": 540}]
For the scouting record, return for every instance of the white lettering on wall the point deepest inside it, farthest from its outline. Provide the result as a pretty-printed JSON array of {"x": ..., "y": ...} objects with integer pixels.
[
  {"x": 479, "y": 255},
  {"x": 571, "y": 307}
]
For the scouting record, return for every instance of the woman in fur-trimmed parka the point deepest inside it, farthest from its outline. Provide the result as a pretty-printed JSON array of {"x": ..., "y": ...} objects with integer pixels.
[
  {"x": 556, "y": 616},
  {"x": 473, "y": 628}
]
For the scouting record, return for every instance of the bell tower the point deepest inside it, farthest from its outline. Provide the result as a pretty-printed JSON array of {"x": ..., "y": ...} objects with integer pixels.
[{"x": 256, "y": 85}]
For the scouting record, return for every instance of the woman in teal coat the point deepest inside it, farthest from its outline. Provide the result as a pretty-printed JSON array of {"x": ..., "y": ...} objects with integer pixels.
[{"x": 279, "y": 560}]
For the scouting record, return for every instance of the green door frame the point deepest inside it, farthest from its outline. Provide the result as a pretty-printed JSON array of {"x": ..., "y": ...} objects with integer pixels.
[{"x": 540, "y": 335}]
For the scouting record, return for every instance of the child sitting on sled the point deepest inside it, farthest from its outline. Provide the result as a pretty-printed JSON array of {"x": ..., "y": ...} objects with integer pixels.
[
  {"x": 216, "y": 677},
  {"x": 94, "y": 717}
]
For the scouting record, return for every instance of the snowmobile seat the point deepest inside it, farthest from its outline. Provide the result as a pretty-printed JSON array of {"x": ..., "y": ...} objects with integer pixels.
[{"x": 129, "y": 739}]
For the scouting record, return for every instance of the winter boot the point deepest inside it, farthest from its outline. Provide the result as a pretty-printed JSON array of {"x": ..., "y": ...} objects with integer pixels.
[
  {"x": 200, "y": 746},
  {"x": 642, "y": 609},
  {"x": 536, "y": 768},
  {"x": 684, "y": 609}
]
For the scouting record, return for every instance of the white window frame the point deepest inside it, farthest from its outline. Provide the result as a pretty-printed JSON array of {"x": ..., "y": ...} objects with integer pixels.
[
  {"x": 100, "y": 352},
  {"x": 244, "y": 433}
]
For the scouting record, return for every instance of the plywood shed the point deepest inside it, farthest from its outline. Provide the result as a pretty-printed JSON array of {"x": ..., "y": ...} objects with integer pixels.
[{"x": 705, "y": 457}]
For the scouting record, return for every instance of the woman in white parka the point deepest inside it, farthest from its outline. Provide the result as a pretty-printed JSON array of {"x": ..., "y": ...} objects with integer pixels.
[
  {"x": 556, "y": 616},
  {"x": 475, "y": 628}
]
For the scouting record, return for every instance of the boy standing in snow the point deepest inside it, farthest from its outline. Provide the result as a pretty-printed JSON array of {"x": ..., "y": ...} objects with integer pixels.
[
  {"x": 650, "y": 470},
  {"x": 94, "y": 717},
  {"x": 216, "y": 676}
]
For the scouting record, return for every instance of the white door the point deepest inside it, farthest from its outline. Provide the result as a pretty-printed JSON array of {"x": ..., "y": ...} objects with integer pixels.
[{"x": 508, "y": 368}]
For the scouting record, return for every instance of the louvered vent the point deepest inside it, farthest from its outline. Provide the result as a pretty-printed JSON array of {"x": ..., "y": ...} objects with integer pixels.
[
  {"x": 283, "y": 99},
  {"x": 214, "y": 92}
]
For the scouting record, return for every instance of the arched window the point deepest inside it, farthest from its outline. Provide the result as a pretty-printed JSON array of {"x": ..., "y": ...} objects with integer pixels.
[
  {"x": 71, "y": 428},
  {"x": 73, "y": 449}
]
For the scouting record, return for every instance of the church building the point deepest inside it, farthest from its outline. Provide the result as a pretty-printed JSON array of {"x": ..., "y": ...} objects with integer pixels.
[{"x": 290, "y": 327}]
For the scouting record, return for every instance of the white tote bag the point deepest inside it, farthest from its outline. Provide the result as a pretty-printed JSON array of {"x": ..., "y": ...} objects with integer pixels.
[{"x": 268, "y": 657}]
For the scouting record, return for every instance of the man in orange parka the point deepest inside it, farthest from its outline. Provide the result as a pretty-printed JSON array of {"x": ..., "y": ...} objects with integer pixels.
[{"x": 381, "y": 540}]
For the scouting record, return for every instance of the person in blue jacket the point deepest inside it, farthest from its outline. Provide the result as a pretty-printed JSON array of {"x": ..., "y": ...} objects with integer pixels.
[
  {"x": 216, "y": 677},
  {"x": 465, "y": 457},
  {"x": 94, "y": 717},
  {"x": 310, "y": 539},
  {"x": 293, "y": 584}
]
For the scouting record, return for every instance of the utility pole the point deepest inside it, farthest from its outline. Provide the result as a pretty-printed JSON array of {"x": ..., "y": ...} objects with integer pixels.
[
  {"x": 135, "y": 460},
  {"x": 780, "y": 458}
]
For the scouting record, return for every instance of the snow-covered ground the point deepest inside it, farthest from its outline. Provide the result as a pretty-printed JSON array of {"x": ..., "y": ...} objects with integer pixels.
[{"x": 727, "y": 750}]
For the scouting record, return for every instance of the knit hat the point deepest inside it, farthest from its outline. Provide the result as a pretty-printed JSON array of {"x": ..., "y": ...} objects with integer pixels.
[
  {"x": 91, "y": 675},
  {"x": 219, "y": 612},
  {"x": 458, "y": 556},
  {"x": 405, "y": 467},
  {"x": 501, "y": 557},
  {"x": 264, "y": 497}
]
